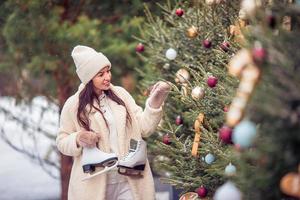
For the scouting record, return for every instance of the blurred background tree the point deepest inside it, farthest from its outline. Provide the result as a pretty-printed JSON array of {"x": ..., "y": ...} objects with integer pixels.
[
  {"x": 268, "y": 166},
  {"x": 37, "y": 38}
]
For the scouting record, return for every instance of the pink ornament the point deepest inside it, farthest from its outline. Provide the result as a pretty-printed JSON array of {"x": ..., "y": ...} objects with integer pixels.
[
  {"x": 226, "y": 109},
  {"x": 212, "y": 81},
  {"x": 140, "y": 48},
  {"x": 166, "y": 139},
  {"x": 225, "y": 134},
  {"x": 259, "y": 54},
  {"x": 179, "y": 12},
  {"x": 206, "y": 43},
  {"x": 201, "y": 191},
  {"x": 178, "y": 120},
  {"x": 225, "y": 46}
]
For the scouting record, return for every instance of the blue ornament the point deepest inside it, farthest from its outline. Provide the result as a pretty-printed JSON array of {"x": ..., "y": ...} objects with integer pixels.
[
  {"x": 230, "y": 169},
  {"x": 244, "y": 134},
  {"x": 209, "y": 158}
]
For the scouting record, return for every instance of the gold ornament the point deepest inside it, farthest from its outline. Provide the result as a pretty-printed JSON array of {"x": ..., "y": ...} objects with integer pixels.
[
  {"x": 290, "y": 184},
  {"x": 236, "y": 30},
  {"x": 182, "y": 76},
  {"x": 189, "y": 196},
  {"x": 197, "y": 125},
  {"x": 192, "y": 32}
]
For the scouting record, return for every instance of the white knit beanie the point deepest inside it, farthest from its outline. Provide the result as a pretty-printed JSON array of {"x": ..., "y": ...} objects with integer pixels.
[{"x": 88, "y": 62}]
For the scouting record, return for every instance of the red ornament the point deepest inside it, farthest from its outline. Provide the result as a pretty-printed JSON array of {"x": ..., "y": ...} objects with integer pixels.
[
  {"x": 201, "y": 191},
  {"x": 259, "y": 54},
  {"x": 166, "y": 139},
  {"x": 178, "y": 120},
  {"x": 271, "y": 20},
  {"x": 212, "y": 81},
  {"x": 179, "y": 12},
  {"x": 225, "y": 108},
  {"x": 140, "y": 48},
  {"x": 206, "y": 43},
  {"x": 225, "y": 134},
  {"x": 225, "y": 46}
]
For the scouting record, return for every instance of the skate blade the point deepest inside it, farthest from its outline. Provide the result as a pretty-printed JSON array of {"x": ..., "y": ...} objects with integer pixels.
[
  {"x": 106, "y": 168},
  {"x": 90, "y": 168},
  {"x": 130, "y": 172}
]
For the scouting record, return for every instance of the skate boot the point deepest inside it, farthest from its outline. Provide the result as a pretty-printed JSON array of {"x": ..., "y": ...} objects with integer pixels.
[
  {"x": 92, "y": 158},
  {"x": 134, "y": 162}
]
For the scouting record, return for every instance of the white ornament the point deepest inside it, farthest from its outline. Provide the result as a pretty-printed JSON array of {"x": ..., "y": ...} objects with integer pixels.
[
  {"x": 166, "y": 66},
  {"x": 230, "y": 169},
  {"x": 171, "y": 54},
  {"x": 228, "y": 191},
  {"x": 250, "y": 6},
  {"x": 211, "y": 2},
  {"x": 182, "y": 75},
  {"x": 198, "y": 93}
]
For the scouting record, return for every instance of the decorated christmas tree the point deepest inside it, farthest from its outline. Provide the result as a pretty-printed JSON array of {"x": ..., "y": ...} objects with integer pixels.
[{"x": 190, "y": 46}]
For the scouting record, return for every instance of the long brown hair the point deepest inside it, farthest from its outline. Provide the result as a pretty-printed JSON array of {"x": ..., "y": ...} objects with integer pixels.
[{"x": 87, "y": 97}]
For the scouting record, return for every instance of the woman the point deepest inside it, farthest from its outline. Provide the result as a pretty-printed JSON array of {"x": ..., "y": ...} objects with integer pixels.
[{"x": 104, "y": 118}]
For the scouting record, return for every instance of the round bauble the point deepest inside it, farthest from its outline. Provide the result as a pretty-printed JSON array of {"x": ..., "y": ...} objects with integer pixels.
[
  {"x": 225, "y": 46},
  {"x": 198, "y": 93},
  {"x": 171, "y": 54},
  {"x": 228, "y": 191},
  {"x": 212, "y": 81},
  {"x": 201, "y": 191},
  {"x": 206, "y": 43},
  {"x": 209, "y": 158},
  {"x": 140, "y": 48},
  {"x": 250, "y": 6},
  {"x": 182, "y": 75},
  {"x": 244, "y": 134},
  {"x": 179, "y": 12},
  {"x": 192, "y": 32},
  {"x": 230, "y": 170},
  {"x": 225, "y": 134},
  {"x": 258, "y": 52},
  {"x": 178, "y": 120},
  {"x": 166, "y": 139}
]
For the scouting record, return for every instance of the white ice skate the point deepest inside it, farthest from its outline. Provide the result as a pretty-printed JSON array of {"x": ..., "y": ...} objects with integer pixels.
[
  {"x": 93, "y": 157},
  {"x": 134, "y": 162}
]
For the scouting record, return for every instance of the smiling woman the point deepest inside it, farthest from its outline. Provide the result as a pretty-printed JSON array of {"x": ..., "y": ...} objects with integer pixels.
[{"x": 102, "y": 127}]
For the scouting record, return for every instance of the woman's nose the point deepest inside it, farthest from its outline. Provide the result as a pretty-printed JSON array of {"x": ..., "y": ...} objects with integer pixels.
[{"x": 107, "y": 76}]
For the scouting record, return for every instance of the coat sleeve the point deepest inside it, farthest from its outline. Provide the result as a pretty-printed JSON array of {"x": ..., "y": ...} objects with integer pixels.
[
  {"x": 148, "y": 118},
  {"x": 66, "y": 138}
]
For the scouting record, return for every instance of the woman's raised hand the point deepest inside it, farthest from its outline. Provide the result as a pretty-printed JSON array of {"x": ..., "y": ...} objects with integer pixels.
[{"x": 159, "y": 93}]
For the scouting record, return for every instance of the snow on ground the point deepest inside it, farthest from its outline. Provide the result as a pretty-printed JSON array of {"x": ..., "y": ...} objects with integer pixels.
[{"x": 20, "y": 179}]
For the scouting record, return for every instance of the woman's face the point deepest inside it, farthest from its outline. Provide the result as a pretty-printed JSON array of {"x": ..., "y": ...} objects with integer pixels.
[{"x": 102, "y": 80}]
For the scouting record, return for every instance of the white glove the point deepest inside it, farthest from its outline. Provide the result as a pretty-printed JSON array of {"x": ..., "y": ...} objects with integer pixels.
[{"x": 159, "y": 94}]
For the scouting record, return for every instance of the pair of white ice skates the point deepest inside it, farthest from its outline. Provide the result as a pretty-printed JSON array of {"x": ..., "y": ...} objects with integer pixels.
[{"x": 131, "y": 165}]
